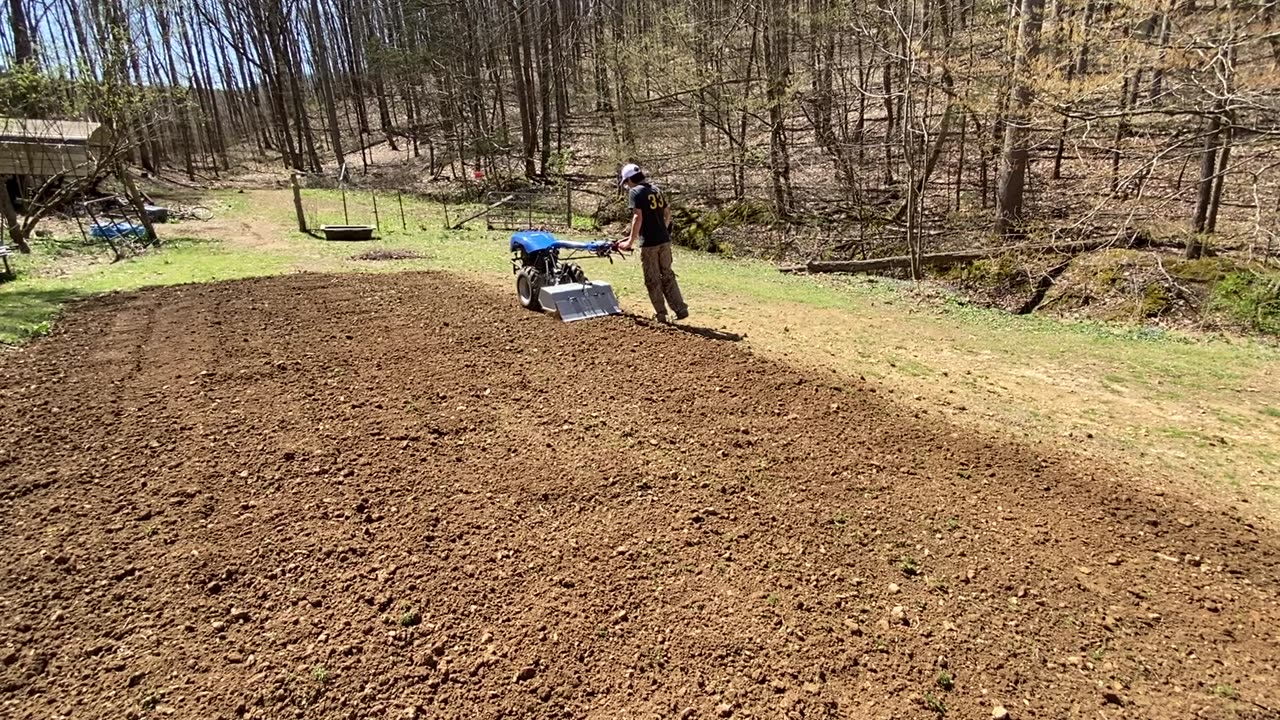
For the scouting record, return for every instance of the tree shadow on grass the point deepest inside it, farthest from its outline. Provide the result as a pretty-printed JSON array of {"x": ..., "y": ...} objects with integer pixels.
[{"x": 27, "y": 313}]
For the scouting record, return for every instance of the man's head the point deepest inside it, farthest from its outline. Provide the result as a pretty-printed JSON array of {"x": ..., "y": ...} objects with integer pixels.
[{"x": 631, "y": 175}]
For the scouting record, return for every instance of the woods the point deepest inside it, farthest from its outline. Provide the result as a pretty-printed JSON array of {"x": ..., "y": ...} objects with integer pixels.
[{"x": 904, "y": 117}]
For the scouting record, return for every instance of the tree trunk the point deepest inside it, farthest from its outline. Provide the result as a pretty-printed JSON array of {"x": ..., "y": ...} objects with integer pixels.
[
  {"x": 777, "y": 66},
  {"x": 521, "y": 63},
  {"x": 1220, "y": 178},
  {"x": 1204, "y": 193},
  {"x": 23, "y": 49},
  {"x": 11, "y": 219},
  {"x": 1013, "y": 165},
  {"x": 545, "y": 84},
  {"x": 1162, "y": 38},
  {"x": 324, "y": 72}
]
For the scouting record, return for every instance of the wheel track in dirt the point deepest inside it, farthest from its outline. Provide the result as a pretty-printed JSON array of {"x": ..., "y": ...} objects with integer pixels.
[{"x": 642, "y": 520}]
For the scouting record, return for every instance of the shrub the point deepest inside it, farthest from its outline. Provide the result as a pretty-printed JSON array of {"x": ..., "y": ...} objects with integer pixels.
[{"x": 1251, "y": 299}]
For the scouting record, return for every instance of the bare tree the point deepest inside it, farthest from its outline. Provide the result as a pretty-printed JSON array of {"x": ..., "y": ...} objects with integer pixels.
[{"x": 1013, "y": 162}]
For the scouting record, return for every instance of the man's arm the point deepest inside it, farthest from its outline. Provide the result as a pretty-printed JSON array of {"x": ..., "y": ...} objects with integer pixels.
[
  {"x": 666, "y": 216},
  {"x": 637, "y": 218}
]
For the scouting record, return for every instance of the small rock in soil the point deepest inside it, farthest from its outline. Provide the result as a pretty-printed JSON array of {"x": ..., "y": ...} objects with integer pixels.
[
  {"x": 526, "y": 673},
  {"x": 688, "y": 713},
  {"x": 893, "y": 588},
  {"x": 1112, "y": 698},
  {"x": 899, "y": 615},
  {"x": 999, "y": 713},
  {"x": 219, "y": 626},
  {"x": 724, "y": 710},
  {"x": 213, "y": 588}
]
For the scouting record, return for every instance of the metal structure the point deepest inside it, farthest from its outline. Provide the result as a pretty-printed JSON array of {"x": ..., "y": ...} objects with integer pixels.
[
  {"x": 547, "y": 281},
  {"x": 348, "y": 232},
  {"x": 526, "y": 210},
  {"x": 309, "y": 209},
  {"x": 113, "y": 220},
  {"x": 45, "y": 148}
]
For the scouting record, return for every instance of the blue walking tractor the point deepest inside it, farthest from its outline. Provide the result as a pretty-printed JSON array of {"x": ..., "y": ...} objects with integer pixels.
[{"x": 547, "y": 280}]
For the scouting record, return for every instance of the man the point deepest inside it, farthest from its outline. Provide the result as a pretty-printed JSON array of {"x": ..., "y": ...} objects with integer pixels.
[{"x": 650, "y": 227}]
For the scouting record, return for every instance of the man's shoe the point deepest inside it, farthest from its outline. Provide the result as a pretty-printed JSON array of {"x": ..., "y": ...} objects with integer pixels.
[
  {"x": 661, "y": 319},
  {"x": 682, "y": 315}
]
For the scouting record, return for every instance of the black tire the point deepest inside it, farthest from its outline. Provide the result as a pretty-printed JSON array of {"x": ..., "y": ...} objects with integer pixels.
[
  {"x": 528, "y": 285},
  {"x": 574, "y": 274}
]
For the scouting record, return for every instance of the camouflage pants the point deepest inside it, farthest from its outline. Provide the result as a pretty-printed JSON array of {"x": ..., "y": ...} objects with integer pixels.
[{"x": 660, "y": 280}]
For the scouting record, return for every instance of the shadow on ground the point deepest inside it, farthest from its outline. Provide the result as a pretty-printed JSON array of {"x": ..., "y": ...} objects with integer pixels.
[
  {"x": 23, "y": 311},
  {"x": 708, "y": 333}
]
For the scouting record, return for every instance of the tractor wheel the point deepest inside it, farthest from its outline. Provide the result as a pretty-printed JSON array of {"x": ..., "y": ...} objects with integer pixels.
[
  {"x": 528, "y": 285},
  {"x": 574, "y": 274}
]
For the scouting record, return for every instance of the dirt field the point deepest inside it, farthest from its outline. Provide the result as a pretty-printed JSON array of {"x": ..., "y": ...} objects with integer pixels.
[{"x": 399, "y": 496}]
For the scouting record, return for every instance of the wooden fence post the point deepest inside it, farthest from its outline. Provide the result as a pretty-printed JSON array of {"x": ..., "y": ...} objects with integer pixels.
[{"x": 297, "y": 202}]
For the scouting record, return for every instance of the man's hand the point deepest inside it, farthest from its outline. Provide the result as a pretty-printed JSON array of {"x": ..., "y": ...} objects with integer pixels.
[{"x": 624, "y": 244}]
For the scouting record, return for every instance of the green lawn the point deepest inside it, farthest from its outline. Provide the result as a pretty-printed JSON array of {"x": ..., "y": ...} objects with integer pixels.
[
  {"x": 28, "y": 305},
  {"x": 1195, "y": 411}
]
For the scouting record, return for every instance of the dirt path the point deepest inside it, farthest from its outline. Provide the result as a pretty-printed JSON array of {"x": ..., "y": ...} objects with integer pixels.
[{"x": 397, "y": 496}]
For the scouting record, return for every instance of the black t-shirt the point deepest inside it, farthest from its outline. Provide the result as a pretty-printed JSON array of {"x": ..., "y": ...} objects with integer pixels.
[{"x": 652, "y": 204}]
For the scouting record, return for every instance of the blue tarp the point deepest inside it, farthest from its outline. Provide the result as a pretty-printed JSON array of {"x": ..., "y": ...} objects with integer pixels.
[{"x": 118, "y": 230}]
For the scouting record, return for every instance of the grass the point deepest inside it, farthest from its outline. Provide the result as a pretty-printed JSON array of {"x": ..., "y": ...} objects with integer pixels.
[
  {"x": 945, "y": 680},
  {"x": 1159, "y": 401},
  {"x": 410, "y": 618},
  {"x": 29, "y": 305}
]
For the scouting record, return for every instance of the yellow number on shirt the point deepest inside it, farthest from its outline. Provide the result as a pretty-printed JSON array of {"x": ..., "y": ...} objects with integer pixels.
[{"x": 656, "y": 201}]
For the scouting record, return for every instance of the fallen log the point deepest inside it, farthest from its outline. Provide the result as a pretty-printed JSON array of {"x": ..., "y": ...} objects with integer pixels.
[{"x": 946, "y": 259}]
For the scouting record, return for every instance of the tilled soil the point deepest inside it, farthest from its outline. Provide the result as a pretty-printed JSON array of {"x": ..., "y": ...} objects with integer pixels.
[{"x": 401, "y": 496}]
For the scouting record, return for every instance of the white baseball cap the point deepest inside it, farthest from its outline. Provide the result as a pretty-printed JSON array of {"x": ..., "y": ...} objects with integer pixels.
[{"x": 629, "y": 171}]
